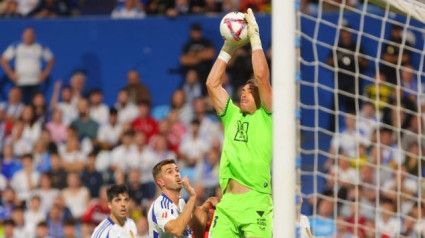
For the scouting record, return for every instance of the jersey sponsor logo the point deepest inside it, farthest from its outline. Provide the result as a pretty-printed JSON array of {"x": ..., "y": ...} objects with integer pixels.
[
  {"x": 242, "y": 132},
  {"x": 131, "y": 234},
  {"x": 261, "y": 222}
]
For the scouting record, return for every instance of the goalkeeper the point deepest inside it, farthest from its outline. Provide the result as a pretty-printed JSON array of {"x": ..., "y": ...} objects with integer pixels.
[{"x": 246, "y": 209}]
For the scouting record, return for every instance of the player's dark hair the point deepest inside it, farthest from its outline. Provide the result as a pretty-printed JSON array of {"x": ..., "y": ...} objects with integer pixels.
[
  {"x": 157, "y": 168},
  {"x": 255, "y": 92},
  {"x": 115, "y": 191}
]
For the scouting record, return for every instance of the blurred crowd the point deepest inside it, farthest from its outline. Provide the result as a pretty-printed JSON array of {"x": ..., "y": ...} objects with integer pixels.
[
  {"x": 125, "y": 8},
  {"x": 59, "y": 153},
  {"x": 374, "y": 172}
]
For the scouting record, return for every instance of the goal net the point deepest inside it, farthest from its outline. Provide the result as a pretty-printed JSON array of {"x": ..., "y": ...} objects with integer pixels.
[{"x": 362, "y": 123}]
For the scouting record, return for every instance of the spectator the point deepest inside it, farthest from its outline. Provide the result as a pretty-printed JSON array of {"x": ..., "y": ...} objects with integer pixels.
[
  {"x": 176, "y": 132},
  {"x": 99, "y": 111},
  {"x": 137, "y": 91},
  {"x": 193, "y": 147},
  {"x": 69, "y": 229},
  {"x": 367, "y": 121},
  {"x": 323, "y": 224},
  {"x": 213, "y": 7},
  {"x": 57, "y": 173},
  {"x": 26, "y": 179},
  {"x": 52, "y": 9},
  {"x": 387, "y": 223},
  {"x": 255, "y": 5},
  {"x": 379, "y": 92},
  {"x": 347, "y": 140},
  {"x": 57, "y": 127},
  {"x": 191, "y": 86},
  {"x": 409, "y": 83},
  {"x": 198, "y": 53},
  {"x": 21, "y": 145},
  {"x": 109, "y": 133},
  {"x": 34, "y": 214},
  {"x": 412, "y": 133},
  {"x": 391, "y": 52},
  {"x": 45, "y": 192},
  {"x": 98, "y": 209},
  {"x": 9, "y": 201},
  {"x": 51, "y": 146},
  {"x": 206, "y": 171},
  {"x": 32, "y": 128},
  {"x": 42, "y": 230},
  {"x": 28, "y": 57},
  {"x": 146, "y": 161},
  {"x": 13, "y": 107},
  {"x": 144, "y": 122},
  {"x": 76, "y": 196},
  {"x": 9, "y": 228},
  {"x": 349, "y": 65},
  {"x": 184, "y": 109},
  {"x": 11, "y": 10},
  {"x": 136, "y": 190},
  {"x": 127, "y": 111},
  {"x": 21, "y": 229},
  {"x": 73, "y": 160},
  {"x": 161, "y": 150},
  {"x": 92, "y": 179},
  {"x": 68, "y": 109},
  {"x": 78, "y": 82},
  {"x": 124, "y": 157},
  {"x": 55, "y": 219},
  {"x": 84, "y": 124},
  {"x": 5, "y": 128},
  {"x": 3, "y": 182},
  {"x": 209, "y": 127},
  {"x": 9, "y": 163},
  {"x": 174, "y": 8},
  {"x": 40, "y": 108},
  {"x": 26, "y": 6},
  {"x": 129, "y": 10},
  {"x": 41, "y": 157}
]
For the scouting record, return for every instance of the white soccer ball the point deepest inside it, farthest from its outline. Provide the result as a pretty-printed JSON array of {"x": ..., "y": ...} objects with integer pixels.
[{"x": 233, "y": 28}]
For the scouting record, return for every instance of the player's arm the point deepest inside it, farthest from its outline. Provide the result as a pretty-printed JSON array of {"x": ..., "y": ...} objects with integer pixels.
[
  {"x": 259, "y": 62},
  {"x": 201, "y": 216},
  {"x": 178, "y": 225}
]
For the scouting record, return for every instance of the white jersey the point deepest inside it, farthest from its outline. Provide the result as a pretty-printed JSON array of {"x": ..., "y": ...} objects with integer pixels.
[
  {"x": 162, "y": 211},
  {"x": 108, "y": 229},
  {"x": 304, "y": 225}
]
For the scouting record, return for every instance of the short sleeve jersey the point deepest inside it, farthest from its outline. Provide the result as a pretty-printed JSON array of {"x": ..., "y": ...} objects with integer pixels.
[
  {"x": 160, "y": 213},
  {"x": 247, "y": 148}
]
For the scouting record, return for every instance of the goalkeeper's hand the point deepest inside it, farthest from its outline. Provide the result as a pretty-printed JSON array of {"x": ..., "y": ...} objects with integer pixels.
[
  {"x": 227, "y": 50},
  {"x": 253, "y": 30}
]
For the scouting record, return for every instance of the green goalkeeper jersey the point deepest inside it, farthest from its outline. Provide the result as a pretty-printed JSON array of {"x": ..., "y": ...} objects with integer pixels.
[{"x": 247, "y": 148}]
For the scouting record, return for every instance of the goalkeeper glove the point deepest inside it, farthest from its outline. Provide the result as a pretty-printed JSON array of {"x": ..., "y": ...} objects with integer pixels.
[
  {"x": 253, "y": 30},
  {"x": 227, "y": 51}
]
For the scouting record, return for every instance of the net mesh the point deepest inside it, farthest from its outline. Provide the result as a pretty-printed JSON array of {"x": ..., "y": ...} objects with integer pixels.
[{"x": 362, "y": 124}]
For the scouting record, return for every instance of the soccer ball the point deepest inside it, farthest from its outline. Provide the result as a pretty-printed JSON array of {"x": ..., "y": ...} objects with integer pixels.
[{"x": 233, "y": 28}]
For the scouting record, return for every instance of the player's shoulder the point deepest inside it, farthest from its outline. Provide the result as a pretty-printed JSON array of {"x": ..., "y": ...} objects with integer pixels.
[
  {"x": 103, "y": 228},
  {"x": 162, "y": 202}
]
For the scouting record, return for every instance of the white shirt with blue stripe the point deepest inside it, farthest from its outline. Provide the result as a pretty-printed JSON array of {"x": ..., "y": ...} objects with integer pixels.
[
  {"x": 108, "y": 229},
  {"x": 162, "y": 211}
]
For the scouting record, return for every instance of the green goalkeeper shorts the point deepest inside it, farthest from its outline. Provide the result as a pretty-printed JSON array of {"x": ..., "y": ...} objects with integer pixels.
[{"x": 249, "y": 214}]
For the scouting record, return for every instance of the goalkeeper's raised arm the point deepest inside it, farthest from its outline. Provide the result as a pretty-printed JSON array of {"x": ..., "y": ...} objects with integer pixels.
[
  {"x": 217, "y": 93},
  {"x": 259, "y": 62}
]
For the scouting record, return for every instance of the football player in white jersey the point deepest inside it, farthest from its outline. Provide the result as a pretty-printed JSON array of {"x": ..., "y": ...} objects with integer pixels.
[
  {"x": 169, "y": 215},
  {"x": 117, "y": 225}
]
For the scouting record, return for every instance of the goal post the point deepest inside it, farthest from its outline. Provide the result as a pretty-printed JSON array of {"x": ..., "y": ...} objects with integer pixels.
[{"x": 284, "y": 126}]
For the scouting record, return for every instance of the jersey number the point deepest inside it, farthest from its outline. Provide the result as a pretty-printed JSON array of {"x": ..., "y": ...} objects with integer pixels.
[
  {"x": 215, "y": 221},
  {"x": 242, "y": 132}
]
